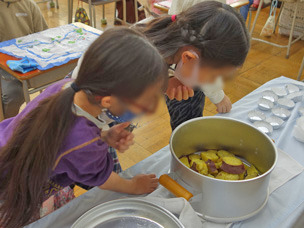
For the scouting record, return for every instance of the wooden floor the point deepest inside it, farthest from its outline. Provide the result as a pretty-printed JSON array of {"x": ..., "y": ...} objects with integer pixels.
[{"x": 264, "y": 63}]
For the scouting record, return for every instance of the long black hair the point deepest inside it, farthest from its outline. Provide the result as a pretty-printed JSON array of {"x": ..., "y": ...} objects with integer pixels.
[
  {"x": 214, "y": 28},
  {"x": 120, "y": 62}
]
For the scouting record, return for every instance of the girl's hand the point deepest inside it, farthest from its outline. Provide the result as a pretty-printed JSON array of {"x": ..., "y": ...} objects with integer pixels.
[
  {"x": 176, "y": 90},
  {"x": 140, "y": 184},
  {"x": 224, "y": 106},
  {"x": 143, "y": 184},
  {"x": 118, "y": 137}
]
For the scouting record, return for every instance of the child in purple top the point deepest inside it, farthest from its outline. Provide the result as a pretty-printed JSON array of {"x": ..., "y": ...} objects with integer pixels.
[{"x": 62, "y": 136}]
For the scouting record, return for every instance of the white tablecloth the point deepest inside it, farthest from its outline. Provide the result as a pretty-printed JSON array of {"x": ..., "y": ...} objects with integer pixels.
[{"x": 284, "y": 208}]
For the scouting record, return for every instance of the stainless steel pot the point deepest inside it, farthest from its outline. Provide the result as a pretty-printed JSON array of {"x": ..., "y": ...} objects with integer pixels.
[
  {"x": 128, "y": 213},
  {"x": 221, "y": 200}
]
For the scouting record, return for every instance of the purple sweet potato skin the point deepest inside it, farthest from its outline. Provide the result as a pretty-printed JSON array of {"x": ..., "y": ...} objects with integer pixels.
[
  {"x": 232, "y": 169},
  {"x": 211, "y": 166},
  {"x": 193, "y": 167}
]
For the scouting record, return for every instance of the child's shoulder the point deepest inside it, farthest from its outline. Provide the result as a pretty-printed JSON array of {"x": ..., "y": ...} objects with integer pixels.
[
  {"x": 58, "y": 86},
  {"x": 84, "y": 134}
]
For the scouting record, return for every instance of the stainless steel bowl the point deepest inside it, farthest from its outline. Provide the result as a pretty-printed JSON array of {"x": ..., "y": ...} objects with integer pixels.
[
  {"x": 222, "y": 200},
  {"x": 128, "y": 213}
]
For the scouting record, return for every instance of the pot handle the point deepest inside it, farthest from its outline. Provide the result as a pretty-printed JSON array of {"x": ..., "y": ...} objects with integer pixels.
[{"x": 174, "y": 187}]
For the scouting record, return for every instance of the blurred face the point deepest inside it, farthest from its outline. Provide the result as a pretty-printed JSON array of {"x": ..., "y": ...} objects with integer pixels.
[
  {"x": 191, "y": 68},
  {"x": 146, "y": 103}
]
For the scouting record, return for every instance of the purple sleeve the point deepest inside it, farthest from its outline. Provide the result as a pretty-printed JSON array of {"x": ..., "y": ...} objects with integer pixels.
[{"x": 91, "y": 165}]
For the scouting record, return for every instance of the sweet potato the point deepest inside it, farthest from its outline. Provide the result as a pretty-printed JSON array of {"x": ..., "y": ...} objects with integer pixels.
[
  {"x": 199, "y": 165},
  {"x": 218, "y": 164},
  {"x": 185, "y": 161},
  {"x": 193, "y": 167},
  {"x": 224, "y": 153},
  {"x": 227, "y": 176},
  {"x": 209, "y": 175},
  {"x": 242, "y": 176},
  {"x": 232, "y": 165},
  {"x": 209, "y": 156},
  {"x": 251, "y": 172},
  {"x": 232, "y": 161},
  {"x": 211, "y": 167},
  {"x": 194, "y": 157}
]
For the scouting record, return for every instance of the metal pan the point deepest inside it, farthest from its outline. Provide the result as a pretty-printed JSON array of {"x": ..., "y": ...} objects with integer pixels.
[
  {"x": 128, "y": 213},
  {"x": 223, "y": 201}
]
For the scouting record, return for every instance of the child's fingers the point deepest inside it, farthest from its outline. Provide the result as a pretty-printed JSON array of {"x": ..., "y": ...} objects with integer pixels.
[
  {"x": 171, "y": 93},
  {"x": 190, "y": 92},
  {"x": 228, "y": 108},
  {"x": 124, "y": 134},
  {"x": 220, "y": 109},
  {"x": 224, "y": 110},
  {"x": 152, "y": 175},
  {"x": 126, "y": 140},
  {"x": 130, "y": 137},
  {"x": 124, "y": 144},
  {"x": 154, "y": 180},
  {"x": 121, "y": 127},
  {"x": 154, "y": 185},
  {"x": 185, "y": 93},
  {"x": 178, "y": 95}
]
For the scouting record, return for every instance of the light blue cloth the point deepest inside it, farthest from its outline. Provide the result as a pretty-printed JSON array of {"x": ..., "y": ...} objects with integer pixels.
[
  {"x": 285, "y": 207},
  {"x": 24, "y": 65},
  {"x": 52, "y": 47}
]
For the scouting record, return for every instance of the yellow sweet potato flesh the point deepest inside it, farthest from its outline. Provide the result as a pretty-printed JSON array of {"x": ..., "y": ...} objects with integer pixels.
[
  {"x": 252, "y": 172},
  {"x": 227, "y": 176},
  {"x": 194, "y": 157},
  {"x": 224, "y": 153},
  {"x": 212, "y": 151},
  {"x": 200, "y": 165},
  {"x": 232, "y": 161},
  {"x": 219, "y": 164},
  {"x": 209, "y": 156},
  {"x": 185, "y": 161}
]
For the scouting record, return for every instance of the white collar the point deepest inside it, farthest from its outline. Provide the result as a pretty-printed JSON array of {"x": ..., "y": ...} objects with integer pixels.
[{"x": 101, "y": 124}]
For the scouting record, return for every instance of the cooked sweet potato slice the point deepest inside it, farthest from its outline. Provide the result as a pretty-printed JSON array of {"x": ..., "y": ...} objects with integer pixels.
[
  {"x": 211, "y": 167},
  {"x": 227, "y": 176},
  {"x": 209, "y": 156},
  {"x": 185, "y": 161},
  {"x": 224, "y": 153}
]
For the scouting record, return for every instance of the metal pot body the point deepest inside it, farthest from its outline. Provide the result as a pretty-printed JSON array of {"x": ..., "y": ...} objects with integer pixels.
[
  {"x": 128, "y": 213},
  {"x": 221, "y": 200}
]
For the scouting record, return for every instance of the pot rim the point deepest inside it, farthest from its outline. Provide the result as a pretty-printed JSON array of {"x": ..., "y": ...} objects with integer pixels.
[{"x": 231, "y": 119}]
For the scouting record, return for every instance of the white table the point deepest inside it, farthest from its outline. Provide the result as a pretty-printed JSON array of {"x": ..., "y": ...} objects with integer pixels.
[{"x": 284, "y": 208}]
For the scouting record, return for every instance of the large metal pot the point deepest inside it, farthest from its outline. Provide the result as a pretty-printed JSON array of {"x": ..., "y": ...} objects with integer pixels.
[
  {"x": 221, "y": 200},
  {"x": 128, "y": 213}
]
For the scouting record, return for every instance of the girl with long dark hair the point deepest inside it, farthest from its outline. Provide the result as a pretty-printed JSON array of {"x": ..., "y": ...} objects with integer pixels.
[
  {"x": 62, "y": 136},
  {"x": 206, "y": 43}
]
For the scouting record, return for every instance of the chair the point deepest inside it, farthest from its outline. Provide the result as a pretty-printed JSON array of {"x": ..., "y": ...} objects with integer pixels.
[
  {"x": 301, "y": 70},
  {"x": 290, "y": 40},
  {"x": 93, "y": 3},
  {"x": 52, "y": 2}
]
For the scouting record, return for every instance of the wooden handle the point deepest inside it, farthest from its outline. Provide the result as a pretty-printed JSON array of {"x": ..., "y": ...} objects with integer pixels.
[{"x": 174, "y": 187}]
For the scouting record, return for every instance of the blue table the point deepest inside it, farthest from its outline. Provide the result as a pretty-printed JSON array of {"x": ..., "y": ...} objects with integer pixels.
[{"x": 284, "y": 208}]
